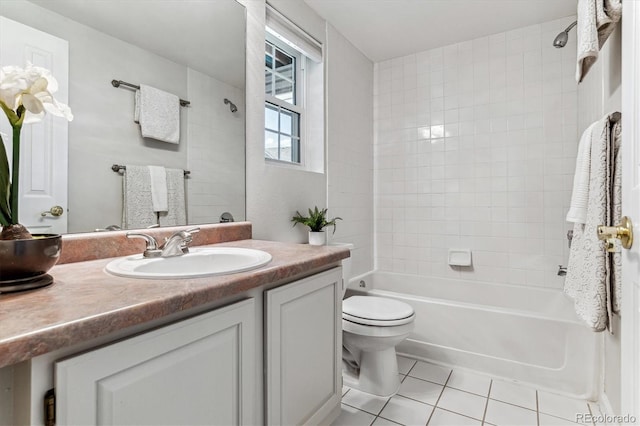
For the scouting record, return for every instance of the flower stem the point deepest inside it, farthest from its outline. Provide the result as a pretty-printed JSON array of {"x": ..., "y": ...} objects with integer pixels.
[{"x": 15, "y": 173}]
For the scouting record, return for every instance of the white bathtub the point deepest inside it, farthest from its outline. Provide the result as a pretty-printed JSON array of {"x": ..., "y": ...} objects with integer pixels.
[{"x": 523, "y": 333}]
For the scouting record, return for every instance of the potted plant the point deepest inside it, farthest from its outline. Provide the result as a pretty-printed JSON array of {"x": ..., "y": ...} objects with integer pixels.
[
  {"x": 25, "y": 97},
  {"x": 316, "y": 221}
]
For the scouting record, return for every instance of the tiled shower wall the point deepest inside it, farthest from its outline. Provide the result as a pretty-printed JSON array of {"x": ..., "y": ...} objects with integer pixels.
[{"x": 475, "y": 147}]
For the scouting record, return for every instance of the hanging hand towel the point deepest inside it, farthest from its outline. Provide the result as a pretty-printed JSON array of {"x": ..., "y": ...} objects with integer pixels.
[
  {"x": 616, "y": 216},
  {"x": 158, "y": 114},
  {"x": 158, "y": 188},
  {"x": 176, "y": 214},
  {"x": 137, "y": 211},
  {"x": 136, "y": 107},
  {"x": 592, "y": 280},
  {"x": 596, "y": 21},
  {"x": 580, "y": 195}
]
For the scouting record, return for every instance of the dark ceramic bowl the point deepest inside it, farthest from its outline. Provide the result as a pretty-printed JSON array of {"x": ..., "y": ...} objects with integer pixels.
[{"x": 24, "y": 259}]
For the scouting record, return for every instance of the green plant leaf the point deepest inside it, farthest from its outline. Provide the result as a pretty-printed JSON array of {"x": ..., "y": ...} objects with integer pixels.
[
  {"x": 316, "y": 221},
  {"x": 5, "y": 186}
]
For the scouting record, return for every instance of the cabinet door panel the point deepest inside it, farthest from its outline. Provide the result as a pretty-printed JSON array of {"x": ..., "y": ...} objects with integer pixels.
[
  {"x": 188, "y": 377},
  {"x": 196, "y": 372},
  {"x": 304, "y": 333}
]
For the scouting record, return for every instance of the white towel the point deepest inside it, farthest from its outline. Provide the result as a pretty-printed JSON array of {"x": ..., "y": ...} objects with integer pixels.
[
  {"x": 136, "y": 107},
  {"x": 176, "y": 214},
  {"x": 137, "y": 211},
  {"x": 593, "y": 278},
  {"x": 616, "y": 216},
  {"x": 158, "y": 113},
  {"x": 158, "y": 188},
  {"x": 596, "y": 21},
  {"x": 580, "y": 195}
]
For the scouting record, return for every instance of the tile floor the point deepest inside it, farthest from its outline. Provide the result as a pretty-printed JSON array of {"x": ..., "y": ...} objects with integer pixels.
[{"x": 438, "y": 396}]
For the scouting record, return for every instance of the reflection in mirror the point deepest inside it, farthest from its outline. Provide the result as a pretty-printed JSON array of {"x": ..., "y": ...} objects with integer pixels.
[{"x": 192, "y": 49}]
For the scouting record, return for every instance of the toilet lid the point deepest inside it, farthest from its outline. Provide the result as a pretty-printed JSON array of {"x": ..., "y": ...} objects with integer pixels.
[{"x": 372, "y": 310}]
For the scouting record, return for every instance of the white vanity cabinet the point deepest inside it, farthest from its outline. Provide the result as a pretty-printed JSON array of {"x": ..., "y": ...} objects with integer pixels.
[
  {"x": 198, "y": 371},
  {"x": 303, "y": 350},
  {"x": 272, "y": 355}
]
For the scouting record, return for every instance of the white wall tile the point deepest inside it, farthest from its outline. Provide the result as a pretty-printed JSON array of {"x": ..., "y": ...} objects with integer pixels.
[{"x": 484, "y": 149}]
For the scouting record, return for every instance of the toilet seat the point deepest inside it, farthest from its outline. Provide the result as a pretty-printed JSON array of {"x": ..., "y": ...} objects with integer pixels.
[{"x": 376, "y": 311}]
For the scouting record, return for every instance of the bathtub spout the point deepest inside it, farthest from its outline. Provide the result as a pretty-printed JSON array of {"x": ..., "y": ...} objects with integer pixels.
[{"x": 562, "y": 271}]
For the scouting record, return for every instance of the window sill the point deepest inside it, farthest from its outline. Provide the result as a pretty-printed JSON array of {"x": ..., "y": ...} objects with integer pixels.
[{"x": 291, "y": 166}]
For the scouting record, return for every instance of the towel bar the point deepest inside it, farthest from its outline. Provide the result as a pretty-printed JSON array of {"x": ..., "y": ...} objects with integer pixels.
[
  {"x": 118, "y": 168},
  {"x": 118, "y": 83}
]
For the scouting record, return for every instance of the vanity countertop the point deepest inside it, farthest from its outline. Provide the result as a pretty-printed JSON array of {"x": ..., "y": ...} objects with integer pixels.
[{"x": 85, "y": 302}]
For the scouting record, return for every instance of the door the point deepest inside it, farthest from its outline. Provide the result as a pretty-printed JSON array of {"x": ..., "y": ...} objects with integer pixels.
[
  {"x": 43, "y": 152},
  {"x": 200, "y": 371},
  {"x": 303, "y": 358},
  {"x": 630, "y": 313}
]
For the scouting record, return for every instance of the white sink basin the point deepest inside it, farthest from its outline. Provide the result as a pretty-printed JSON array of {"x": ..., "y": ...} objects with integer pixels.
[{"x": 200, "y": 262}]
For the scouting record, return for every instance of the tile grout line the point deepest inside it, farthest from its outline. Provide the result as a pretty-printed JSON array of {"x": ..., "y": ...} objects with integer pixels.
[
  {"x": 389, "y": 420},
  {"x": 486, "y": 404},
  {"x": 516, "y": 405},
  {"x": 459, "y": 414},
  {"x": 374, "y": 420},
  {"x": 436, "y": 383},
  {"x": 435, "y": 405},
  {"x": 415, "y": 362},
  {"x": 385, "y": 404},
  {"x": 360, "y": 409}
]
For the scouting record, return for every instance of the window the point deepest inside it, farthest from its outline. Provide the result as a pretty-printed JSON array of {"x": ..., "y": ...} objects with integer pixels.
[
  {"x": 294, "y": 95},
  {"x": 283, "y": 110}
]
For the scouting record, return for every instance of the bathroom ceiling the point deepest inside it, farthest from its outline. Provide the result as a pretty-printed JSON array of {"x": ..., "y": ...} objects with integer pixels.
[{"x": 385, "y": 29}]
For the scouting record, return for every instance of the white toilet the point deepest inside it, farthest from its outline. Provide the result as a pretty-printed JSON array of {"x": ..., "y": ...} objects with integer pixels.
[{"x": 371, "y": 329}]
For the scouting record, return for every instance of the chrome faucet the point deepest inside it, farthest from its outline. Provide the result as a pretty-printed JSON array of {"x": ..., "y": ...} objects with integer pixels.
[
  {"x": 152, "y": 249},
  {"x": 176, "y": 245}
]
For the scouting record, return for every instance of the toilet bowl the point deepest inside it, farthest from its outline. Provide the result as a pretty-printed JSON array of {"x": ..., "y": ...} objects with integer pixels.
[{"x": 371, "y": 329}]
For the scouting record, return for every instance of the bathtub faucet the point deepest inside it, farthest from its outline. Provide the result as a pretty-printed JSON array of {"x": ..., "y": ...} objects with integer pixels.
[{"x": 562, "y": 271}]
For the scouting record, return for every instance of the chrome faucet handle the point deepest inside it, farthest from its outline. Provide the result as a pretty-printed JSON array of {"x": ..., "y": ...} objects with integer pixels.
[
  {"x": 178, "y": 243},
  {"x": 187, "y": 235},
  {"x": 187, "y": 241},
  {"x": 152, "y": 249}
]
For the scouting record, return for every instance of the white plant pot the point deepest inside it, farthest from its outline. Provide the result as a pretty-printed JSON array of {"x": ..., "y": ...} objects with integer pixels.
[{"x": 317, "y": 238}]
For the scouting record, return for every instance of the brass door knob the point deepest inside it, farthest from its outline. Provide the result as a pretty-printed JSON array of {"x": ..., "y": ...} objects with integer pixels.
[
  {"x": 54, "y": 211},
  {"x": 623, "y": 232}
]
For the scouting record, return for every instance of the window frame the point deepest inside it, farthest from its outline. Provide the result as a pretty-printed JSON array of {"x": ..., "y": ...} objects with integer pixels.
[{"x": 300, "y": 89}]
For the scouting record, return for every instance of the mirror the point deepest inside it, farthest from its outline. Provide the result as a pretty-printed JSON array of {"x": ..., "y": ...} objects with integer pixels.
[{"x": 191, "y": 48}]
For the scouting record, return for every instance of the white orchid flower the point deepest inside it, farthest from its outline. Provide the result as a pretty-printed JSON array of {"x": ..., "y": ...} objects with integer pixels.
[{"x": 33, "y": 88}]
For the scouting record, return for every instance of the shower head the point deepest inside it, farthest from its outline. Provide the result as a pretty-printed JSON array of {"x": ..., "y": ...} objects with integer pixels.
[
  {"x": 562, "y": 38},
  {"x": 232, "y": 106}
]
